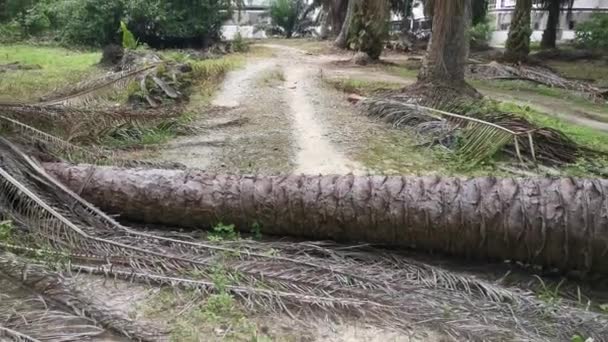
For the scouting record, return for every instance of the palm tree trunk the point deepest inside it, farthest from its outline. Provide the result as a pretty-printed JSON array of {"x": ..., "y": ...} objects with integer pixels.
[
  {"x": 550, "y": 33},
  {"x": 559, "y": 223},
  {"x": 518, "y": 42},
  {"x": 449, "y": 48},
  {"x": 342, "y": 39}
]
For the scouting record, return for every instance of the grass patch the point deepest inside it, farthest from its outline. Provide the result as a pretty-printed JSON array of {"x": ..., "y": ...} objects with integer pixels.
[
  {"x": 193, "y": 317},
  {"x": 523, "y": 86},
  {"x": 406, "y": 71},
  {"x": 272, "y": 77},
  {"x": 595, "y": 70},
  {"x": 317, "y": 47},
  {"x": 59, "y": 67},
  {"x": 397, "y": 153},
  {"x": 582, "y": 135},
  {"x": 360, "y": 87}
]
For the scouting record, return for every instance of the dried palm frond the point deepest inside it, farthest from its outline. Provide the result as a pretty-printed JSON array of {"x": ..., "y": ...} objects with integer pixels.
[
  {"x": 483, "y": 133},
  {"x": 84, "y": 124},
  {"x": 540, "y": 75},
  {"x": 382, "y": 292},
  {"x": 482, "y": 139},
  {"x": 89, "y": 92},
  {"x": 62, "y": 149},
  {"x": 51, "y": 286}
]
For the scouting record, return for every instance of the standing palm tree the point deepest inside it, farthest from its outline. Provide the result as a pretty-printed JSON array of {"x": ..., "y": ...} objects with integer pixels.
[
  {"x": 518, "y": 42},
  {"x": 449, "y": 47},
  {"x": 550, "y": 34}
]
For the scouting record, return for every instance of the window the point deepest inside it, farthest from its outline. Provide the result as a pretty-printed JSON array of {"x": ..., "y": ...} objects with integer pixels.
[
  {"x": 504, "y": 26},
  {"x": 536, "y": 26},
  {"x": 571, "y": 24}
]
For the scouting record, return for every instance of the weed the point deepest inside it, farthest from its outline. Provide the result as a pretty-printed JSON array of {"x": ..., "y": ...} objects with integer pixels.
[
  {"x": 239, "y": 44},
  {"x": 132, "y": 136},
  {"x": 223, "y": 232},
  {"x": 548, "y": 295},
  {"x": 6, "y": 232},
  {"x": 272, "y": 77},
  {"x": 579, "y": 338},
  {"x": 256, "y": 230}
]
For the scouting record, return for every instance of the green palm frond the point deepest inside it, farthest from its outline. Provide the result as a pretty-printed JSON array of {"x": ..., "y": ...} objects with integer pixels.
[{"x": 481, "y": 139}]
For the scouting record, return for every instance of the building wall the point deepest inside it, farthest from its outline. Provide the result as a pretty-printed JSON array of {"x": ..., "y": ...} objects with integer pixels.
[{"x": 502, "y": 11}]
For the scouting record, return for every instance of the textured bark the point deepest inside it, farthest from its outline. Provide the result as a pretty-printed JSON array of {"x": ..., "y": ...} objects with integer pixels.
[
  {"x": 560, "y": 223},
  {"x": 550, "y": 33},
  {"x": 448, "y": 48},
  {"x": 518, "y": 42},
  {"x": 342, "y": 39}
]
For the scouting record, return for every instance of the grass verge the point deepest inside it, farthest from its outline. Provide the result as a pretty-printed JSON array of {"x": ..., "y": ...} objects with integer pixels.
[
  {"x": 360, "y": 87},
  {"x": 59, "y": 67}
]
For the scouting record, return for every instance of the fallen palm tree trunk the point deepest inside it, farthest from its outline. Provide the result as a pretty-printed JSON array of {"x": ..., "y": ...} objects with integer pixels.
[{"x": 559, "y": 223}]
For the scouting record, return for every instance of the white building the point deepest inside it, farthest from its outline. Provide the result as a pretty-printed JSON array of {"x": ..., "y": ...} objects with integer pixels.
[
  {"x": 244, "y": 21},
  {"x": 502, "y": 11}
]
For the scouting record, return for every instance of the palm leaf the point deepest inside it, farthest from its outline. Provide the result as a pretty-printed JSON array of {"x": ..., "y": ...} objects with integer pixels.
[
  {"x": 74, "y": 153},
  {"x": 92, "y": 91},
  {"x": 482, "y": 139}
]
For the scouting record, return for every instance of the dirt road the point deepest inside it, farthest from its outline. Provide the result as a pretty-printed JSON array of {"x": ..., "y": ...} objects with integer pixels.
[{"x": 270, "y": 117}]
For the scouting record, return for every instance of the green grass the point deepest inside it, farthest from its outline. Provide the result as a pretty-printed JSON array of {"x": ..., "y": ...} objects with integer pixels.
[
  {"x": 596, "y": 70},
  {"x": 60, "y": 67},
  {"x": 402, "y": 71},
  {"x": 309, "y": 45},
  {"x": 361, "y": 87},
  {"x": 523, "y": 86},
  {"x": 580, "y": 134},
  {"x": 272, "y": 77}
]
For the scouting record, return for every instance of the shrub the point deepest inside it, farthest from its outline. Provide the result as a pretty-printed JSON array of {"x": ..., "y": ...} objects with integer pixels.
[
  {"x": 10, "y": 32},
  {"x": 160, "y": 23},
  {"x": 480, "y": 34},
  {"x": 289, "y": 18},
  {"x": 593, "y": 33},
  {"x": 88, "y": 22}
]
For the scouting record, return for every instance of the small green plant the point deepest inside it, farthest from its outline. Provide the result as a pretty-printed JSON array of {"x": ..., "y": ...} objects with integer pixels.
[
  {"x": 128, "y": 39},
  {"x": 239, "y": 44},
  {"x": 579, "y": 338},
  {"x": 480, "y": 34},
  {"x": 604, "y": 307},
  {"x": 548, "y": 295},
  {"x": 256, "y": 230},
  {"x": 223, "y": 232},
  {"x": 6, "y": 231}
]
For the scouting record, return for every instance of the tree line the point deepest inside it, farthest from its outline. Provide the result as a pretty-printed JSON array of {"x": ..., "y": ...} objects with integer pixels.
[{"x": 158, "y": 23}]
